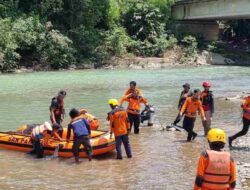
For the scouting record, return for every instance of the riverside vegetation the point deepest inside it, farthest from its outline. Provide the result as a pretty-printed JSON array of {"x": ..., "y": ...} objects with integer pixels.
[{"x": 55, "y": 34}]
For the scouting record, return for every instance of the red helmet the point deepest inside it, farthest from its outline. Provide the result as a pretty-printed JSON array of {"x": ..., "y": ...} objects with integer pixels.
[{"x": 206, "y": 84}]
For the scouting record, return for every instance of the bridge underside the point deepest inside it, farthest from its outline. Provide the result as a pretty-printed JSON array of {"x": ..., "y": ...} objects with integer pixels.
[
  {"x": 208, "y": 30},
  {"x": 211, "y": 10}
]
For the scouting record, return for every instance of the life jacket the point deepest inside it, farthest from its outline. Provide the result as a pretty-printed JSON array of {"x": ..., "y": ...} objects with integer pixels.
[
  {"x": 134, "y": 105},
  {"x": 93, "y": 121},
  {"x": 246, "y": 106},
  {"x": 79, "y": 126},
  {"x": 192, "y": 107},
  {"x": 137, "y": 90},
  {"x": 119, "y": 121},
  {"x": 217, "y": 174},
  {"x": 58, "y": 107},
  {"x": 206, "y": 99},
  {"x": 38, "y": 131}
]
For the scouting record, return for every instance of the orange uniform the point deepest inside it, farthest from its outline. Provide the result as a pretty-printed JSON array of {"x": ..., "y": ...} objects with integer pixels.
[
  {"x": 137, "y": 90},
  {"x": 119, "y": 123},
  {"x": 134, "y": 104},
  {"x": 216, "y": 171},
  {"x": 191, "y": 107},
  {"x": 246, "y": 108}
]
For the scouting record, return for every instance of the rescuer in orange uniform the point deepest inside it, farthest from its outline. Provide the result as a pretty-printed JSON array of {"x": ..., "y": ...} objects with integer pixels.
[
  {"x": 216, "y": 168},
  {"x": 190, "y": 108},
  {"x": 246, "y": 121},
  {"x": 119, "y": 125},
  {"x": 133, "y": 88},
  {"x": 134, "y": 106}
]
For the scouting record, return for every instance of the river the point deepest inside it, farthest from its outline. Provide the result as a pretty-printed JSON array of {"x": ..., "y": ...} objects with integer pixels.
[{"x": 161, "y": 159}]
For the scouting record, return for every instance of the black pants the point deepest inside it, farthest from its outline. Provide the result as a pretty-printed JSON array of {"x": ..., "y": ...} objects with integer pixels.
[
  {"x": 188, "y": 125},
  {"x": 246, "y": 124},
  {"x": 37, "y": 148},
  {"x": 81, "y": 140},
  {"x": 135, "y": 120}
]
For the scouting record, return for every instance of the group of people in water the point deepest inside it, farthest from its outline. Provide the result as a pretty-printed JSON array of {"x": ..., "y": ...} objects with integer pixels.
[
  {"x": 216, "y": 168},
  {"x": 121, "y": 121}
]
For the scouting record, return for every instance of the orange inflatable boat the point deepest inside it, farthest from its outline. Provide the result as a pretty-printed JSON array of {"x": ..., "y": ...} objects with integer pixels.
[{"x": 21, "y": 141}]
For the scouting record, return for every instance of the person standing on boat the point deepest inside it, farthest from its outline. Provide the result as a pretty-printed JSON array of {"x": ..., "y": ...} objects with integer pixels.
[
  {"x": 190, "y": 108},
  {"x": 40, "y": 132},
  {"x": 134, "y": 105},
  {"x": 57, "y": 110},
  {"x": 119, "y": 125},
  {"x": 82, "y": 133},
  {"x": 216, "y": 168},
  {"x": 246, "y": 121},
  {"x": 207, "y": 100},
  {"x": 184, "y": 95}
]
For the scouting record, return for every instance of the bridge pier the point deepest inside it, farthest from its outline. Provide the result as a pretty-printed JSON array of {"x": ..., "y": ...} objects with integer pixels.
[{"x": 209, "y": 30}]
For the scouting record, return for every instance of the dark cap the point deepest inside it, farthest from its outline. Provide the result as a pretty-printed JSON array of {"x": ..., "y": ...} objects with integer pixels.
[
  {"x": 186, "y": 85},
  {"x": 62, "y": 93}
]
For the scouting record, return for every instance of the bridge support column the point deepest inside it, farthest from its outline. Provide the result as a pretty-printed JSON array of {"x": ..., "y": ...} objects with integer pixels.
[{"x": 209, "y": 30}]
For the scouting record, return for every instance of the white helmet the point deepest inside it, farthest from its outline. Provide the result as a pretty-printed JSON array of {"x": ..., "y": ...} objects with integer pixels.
[{"x": 47, "y": 126}]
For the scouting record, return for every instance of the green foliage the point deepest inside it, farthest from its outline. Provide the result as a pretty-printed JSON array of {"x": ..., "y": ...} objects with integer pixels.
[
  {"x": 7, "y": 8},
  {"x": 27, "y": 36},
  {"x": 143, "y": 21},
  {"x": 117, "y": 41},
  {"x": 190, "y": 43},
  {"x": 155, "y": 47},
  {"x": 26, "y": 32},
  {"x": 56, "y": 49},
  {"x": 86, "y": 42},
  {"x": 58, "y": 33}
]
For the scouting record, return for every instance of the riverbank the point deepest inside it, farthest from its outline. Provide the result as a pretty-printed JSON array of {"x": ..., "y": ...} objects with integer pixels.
[{"x": 172, "y": 58}]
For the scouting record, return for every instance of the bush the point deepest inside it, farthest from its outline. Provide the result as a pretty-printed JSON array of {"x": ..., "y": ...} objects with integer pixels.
[
  {"x": 116, "y": 42},
  {"x": 190, "y": 44},
  {"x": 8, "y": 56},
  {"x": 86, "y": 41},
  {"x": 56, "y": 49},
  {"x": 28, "y": 37},
  {"x": 143, "y": 21},
  {"x": 154, "y": 47}
]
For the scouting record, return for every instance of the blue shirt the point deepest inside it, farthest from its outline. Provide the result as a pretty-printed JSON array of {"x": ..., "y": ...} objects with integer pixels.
[{"x": 80, "y": 127}]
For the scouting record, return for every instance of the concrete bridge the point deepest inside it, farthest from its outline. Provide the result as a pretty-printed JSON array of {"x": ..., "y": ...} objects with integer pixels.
[
  {"x": 200, "y": 16},
  {"x": 211, "y": 10}
]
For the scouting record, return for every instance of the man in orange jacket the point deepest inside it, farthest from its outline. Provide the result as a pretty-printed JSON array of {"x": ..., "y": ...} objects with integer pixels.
[
  {"x": 134, "y": 106},
  {"x": 132, "y": 88},
  {"x": 246, "y": 121},
  {"x": 216, "y": 168},
  {"x": 190, "y": 108},
  {"x": 119, "y": 125}
]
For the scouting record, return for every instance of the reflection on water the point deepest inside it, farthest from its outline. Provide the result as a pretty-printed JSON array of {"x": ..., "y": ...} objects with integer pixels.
[{"x": 161, "y": 159}]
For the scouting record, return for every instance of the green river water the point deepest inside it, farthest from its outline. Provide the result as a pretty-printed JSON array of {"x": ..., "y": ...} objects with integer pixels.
[{"x": 161, "y": 159}]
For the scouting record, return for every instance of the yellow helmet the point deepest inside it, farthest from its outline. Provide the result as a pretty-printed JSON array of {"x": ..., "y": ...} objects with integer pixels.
[
  {"x": 216, "y": 135},
  {"x": 113, "y": 102}
]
